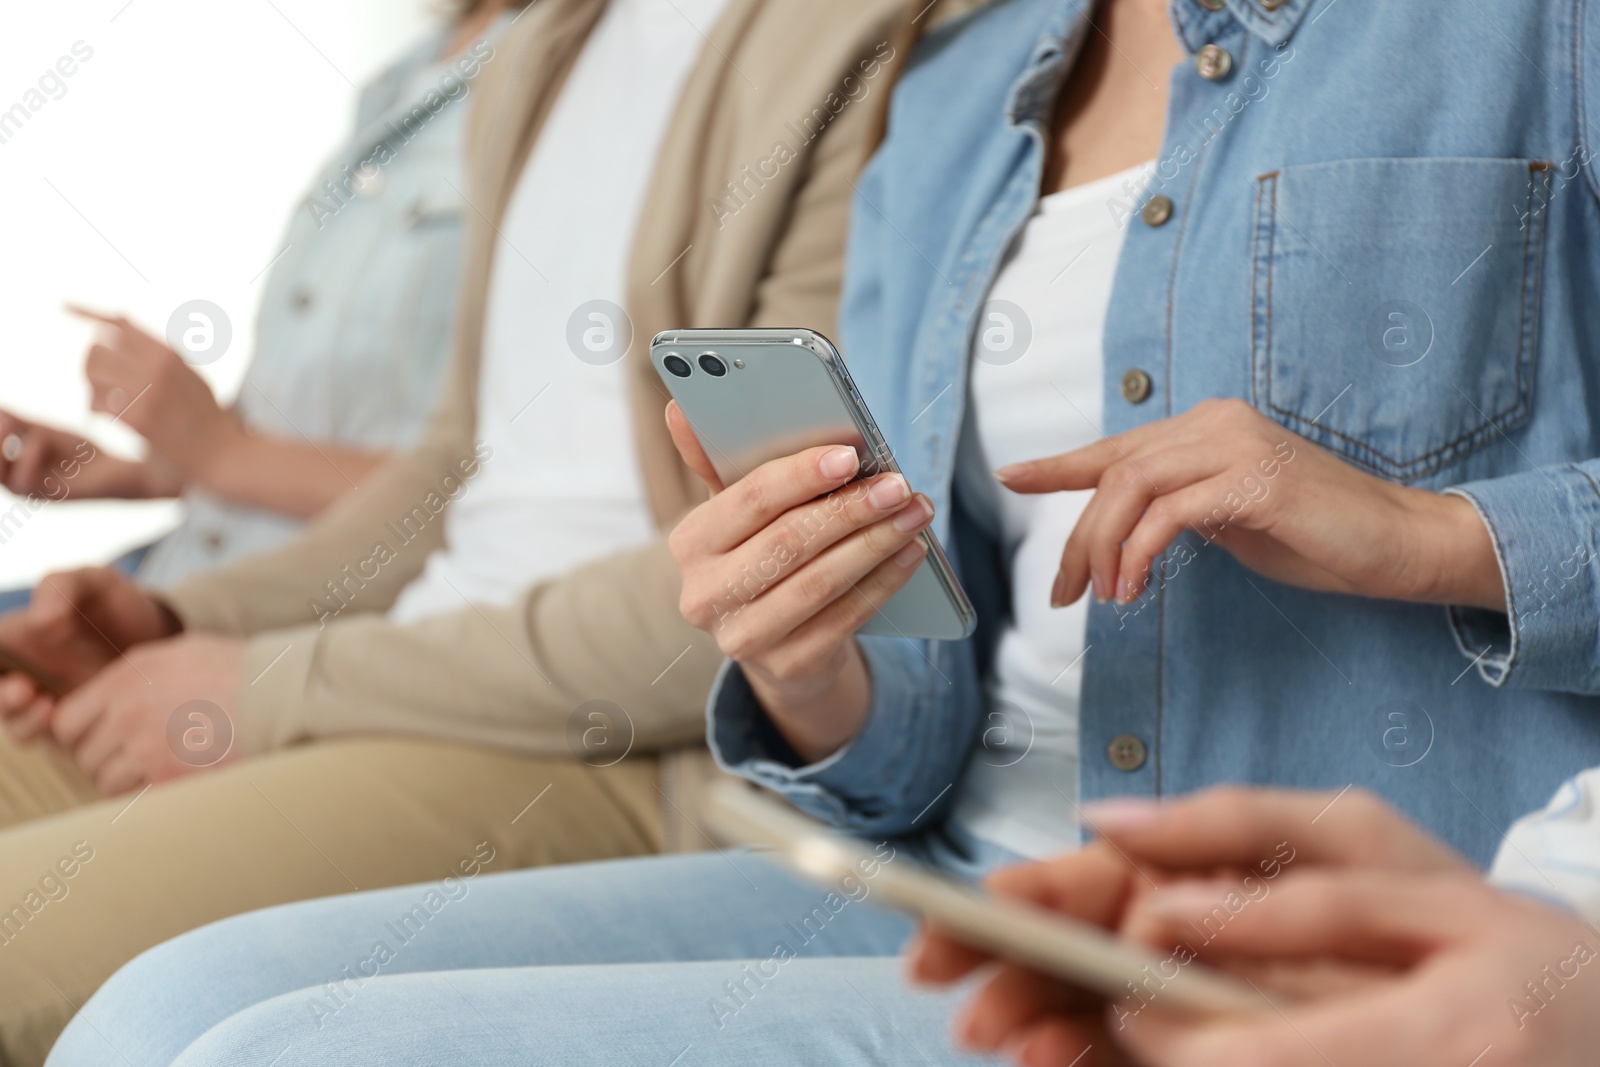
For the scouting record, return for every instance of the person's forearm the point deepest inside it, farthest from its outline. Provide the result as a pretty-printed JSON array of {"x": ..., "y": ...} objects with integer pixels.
[
  {"x": 605, "y": 638},
  {"x": 157, "y": 479},
  {"x": 295, "y": 477},
  {"x": 108, "y": 477}
]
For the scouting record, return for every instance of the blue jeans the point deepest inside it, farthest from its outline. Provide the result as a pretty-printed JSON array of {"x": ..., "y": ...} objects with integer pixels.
[{"x": 678, "y": 960}]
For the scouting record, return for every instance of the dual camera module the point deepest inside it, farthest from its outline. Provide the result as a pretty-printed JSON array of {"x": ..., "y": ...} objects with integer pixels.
[{"x": 709, "y": 362}]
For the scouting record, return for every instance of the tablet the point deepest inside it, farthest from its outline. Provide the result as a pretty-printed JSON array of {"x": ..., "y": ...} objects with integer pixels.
[{"x": 1043, "y": 940}]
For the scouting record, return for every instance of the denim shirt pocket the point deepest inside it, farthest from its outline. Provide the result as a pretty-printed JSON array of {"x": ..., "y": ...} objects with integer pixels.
[{"x": 1394, "y": 305}]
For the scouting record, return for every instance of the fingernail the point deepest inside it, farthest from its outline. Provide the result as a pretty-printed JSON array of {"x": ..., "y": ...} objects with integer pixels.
[
  {"x": 1058, "y": 591},
  {"x": 913, "y": 515},
  {"x": 1124, "y": 590},
  {"x": 1121, "y": 813},
  {"x": 910, "y": 555},
  {"x": 1009, "y": 471},
  {"x": 1099, "y": 589},
  {"x": 838, "y": 463},
  {"x": 889, "y": 491}
]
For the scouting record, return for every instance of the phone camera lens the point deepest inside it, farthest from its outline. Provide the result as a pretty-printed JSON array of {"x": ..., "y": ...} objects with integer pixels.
[
  {"x": 712, "y": 365},
  {"x": 678, "y": 366}
]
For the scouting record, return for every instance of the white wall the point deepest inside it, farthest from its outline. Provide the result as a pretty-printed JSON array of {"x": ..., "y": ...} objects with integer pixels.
[{"x": 162, "y": 173}]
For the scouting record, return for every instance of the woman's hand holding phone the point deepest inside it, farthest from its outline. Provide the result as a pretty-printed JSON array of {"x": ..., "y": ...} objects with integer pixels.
[
  {"x": 1388, "y": 946},
  {"x": 785, "y": 565}
]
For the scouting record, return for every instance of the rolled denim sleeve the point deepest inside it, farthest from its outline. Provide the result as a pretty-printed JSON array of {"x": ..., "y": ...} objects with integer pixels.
[
  {"x": 897, "y": 773},
  {"x": 1544, "y": 525}
]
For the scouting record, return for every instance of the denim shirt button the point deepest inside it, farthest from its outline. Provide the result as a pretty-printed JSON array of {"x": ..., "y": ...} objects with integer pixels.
[
  {"x": 1127, "y": 753},
  {"x": 1156, "y": 211},
  {"x": 1136, "y": 386},
  {"x": 1213, "y": 5},
  {"x": 1273, "y": 5},
  {"x": 1213, "y": 62}
]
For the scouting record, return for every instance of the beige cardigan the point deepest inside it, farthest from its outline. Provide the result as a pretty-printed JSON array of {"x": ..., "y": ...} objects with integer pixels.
[{"x": 744, "y": 224}]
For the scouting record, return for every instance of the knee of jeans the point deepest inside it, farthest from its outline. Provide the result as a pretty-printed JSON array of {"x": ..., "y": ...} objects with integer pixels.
[
  {"x": 262, "y": 1033},
  {"x": 164, "y": 998}
]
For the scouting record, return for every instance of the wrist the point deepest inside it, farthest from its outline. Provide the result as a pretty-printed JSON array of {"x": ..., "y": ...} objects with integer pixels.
[
  {"x": 111, "y": 477},
  {"x": 1465, "y": 567},
  {"x": 817, "y": 717},
  {"x": 220, "y": 451},
  {"x": 158, "y": 478}
]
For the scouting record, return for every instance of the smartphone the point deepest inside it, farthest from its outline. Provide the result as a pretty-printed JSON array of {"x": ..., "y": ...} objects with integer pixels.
[
  {"x": 757, "y": 395},
  {"x": 1046, "y": 941},
  {"x": 11, "y": 662}
]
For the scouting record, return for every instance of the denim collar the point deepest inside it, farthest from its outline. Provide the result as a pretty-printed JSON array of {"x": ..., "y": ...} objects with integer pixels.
[
  {"x": 1033, "y": 94},
  {"x": 1068, "y": 26},
  {"x": 1197, "y": 27}
]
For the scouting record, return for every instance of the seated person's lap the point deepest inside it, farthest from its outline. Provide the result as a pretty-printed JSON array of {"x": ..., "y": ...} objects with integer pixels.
[
  {"x": 306, "y": 822},
  {"x": 39, "y": 779},
  {"x": 330, "y": 955},
  {"x": 558, "y": 1014}
]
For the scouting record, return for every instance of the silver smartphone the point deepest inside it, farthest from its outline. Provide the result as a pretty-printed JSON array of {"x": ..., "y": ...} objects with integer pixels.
[
  {"x": 1077, "y": 952},
  {"x": 756, "y": 395}
]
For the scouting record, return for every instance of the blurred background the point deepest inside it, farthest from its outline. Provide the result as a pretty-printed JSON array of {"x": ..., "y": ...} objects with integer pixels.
[{"x": 123, "y": 193}]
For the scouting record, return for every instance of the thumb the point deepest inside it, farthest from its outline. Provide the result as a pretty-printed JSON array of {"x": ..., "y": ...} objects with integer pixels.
[{"x": 689, "y": 447}]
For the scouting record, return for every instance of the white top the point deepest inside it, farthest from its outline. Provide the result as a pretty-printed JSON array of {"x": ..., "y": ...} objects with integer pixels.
[
  {"x": 562, "y": 486},
  {"x": 1035, "y": 391},
  {"x": 1555, "y": 853}
]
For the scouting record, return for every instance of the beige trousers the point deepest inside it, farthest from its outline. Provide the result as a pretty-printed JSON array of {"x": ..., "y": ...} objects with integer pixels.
[{"x": 87, "y": 883}]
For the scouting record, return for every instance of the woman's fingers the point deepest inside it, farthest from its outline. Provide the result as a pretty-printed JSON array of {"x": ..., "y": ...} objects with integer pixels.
[
  {"x": 1082, "y": 467},
  {"x": 1015, "y": 999},
  {"x": 1072, "y": 1041},
  {"x": 854, "y": 578},
  {"x": 932, "y": 958},
  {"x": 1412, "y": 1020},
  {"x": 34, "y": 718},
  {"x": 755, "y": 501},
  {"x": 18, "y": 695},
  {"x": 104, "y": 318},
  {"x": 80, "y": 711},
  {"x": 1144, "y": 535},
  {"x": 1072, "y": 575},
  {"x": 1263, "y": 829},
  {"x": 819, "y": 641},
  {"x": 807, "y": 531},
  {"x": 689, "y": 447},
  {"x": 1368, "y": 916},
  {"x": 1127, "y": 491},
  {"x": 1092, "y": 884},
  {"x": 120, "y": 774},
  {"x": 103, "y": 372},
  {"x": 1389, "y": 918}
]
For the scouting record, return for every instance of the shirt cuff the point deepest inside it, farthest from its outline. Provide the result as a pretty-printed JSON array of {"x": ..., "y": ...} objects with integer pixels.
[
  {"x": 272, "y": 683},
  {"x": 870, "y": 785},
  {"x": 1543, "y": 525}
]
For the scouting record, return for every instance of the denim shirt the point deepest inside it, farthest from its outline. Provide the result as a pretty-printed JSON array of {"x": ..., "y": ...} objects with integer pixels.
[
  {"x": 1384, "y": 233},
  {"x": 356, "y": 314}
]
